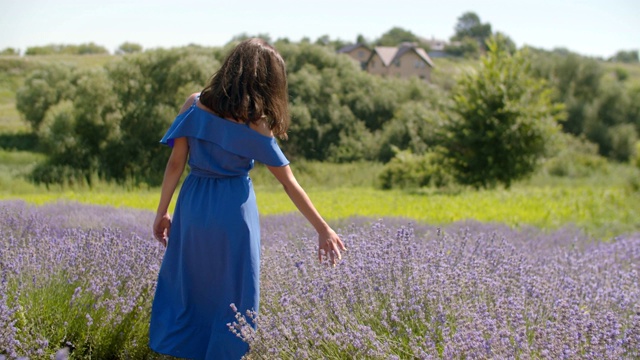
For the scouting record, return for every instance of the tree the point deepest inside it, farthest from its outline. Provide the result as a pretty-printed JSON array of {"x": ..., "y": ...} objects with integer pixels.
[
  {"x": 82, "y": 49},
  {"x": 325, "y": 40},
  {"x": 10, "y": 51},
  {"x": 129, "y": 48},
  {"x": 244, "y": 36},
  {"x": 42, "y": 89},
  {"x": 396, "y": 36},
  {"x": 502, "y": 120},
  {"x": 470, "y": 26},
  {"x": 505, "y": 42},
  {"x": 630, "y": 56}
]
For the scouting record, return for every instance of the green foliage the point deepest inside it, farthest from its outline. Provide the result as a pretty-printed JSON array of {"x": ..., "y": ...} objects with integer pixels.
[
  {"x": 416, "y": 126},
  {"x": 65, "y": 315},
  {"x": 575, "y": 158},
  {"x": 107, "y": 121},
  {"x": 469, "y": 25},
  {"x": 10, "y": 52},
  {"x": 244, "y": 36},
  {"x": 621, "y": 74},
  {"x": 42, "y": 89},
  {"x": 409, "y": 171},
  {"x": 596, "y": 104},
  {"x": 149, "y": 89},
  {"x": 630, "y": 56},
  {"x": 325, "y": 40},
  {"x": 623, "y": 142},
  {"x": 501, "y": 121},
  {"x": 466, "y": 47},
  {"x": 576, "y": 80},
  {"x": 397, "y": 35},
  {"x": 18, "y": 141},
  {"x": 636, "y": 158},
  {"x": 82, "y": 49},
  {"x": 505, "y": 42},
  {"x": 129, "y": 48},
  {"x": 339, "y": 111}
]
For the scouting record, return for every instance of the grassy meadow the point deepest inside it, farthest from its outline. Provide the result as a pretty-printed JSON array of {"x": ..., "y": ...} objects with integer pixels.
[{"x": 604, "y": 205}]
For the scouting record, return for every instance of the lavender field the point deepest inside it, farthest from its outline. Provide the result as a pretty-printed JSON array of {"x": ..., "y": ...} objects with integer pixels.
[{"x": 77, "y": 280}]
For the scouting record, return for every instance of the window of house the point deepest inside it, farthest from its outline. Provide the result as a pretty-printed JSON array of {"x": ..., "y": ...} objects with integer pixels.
[
  {"x": 397, "y": 62},
  {"x": 373, "y": 63},
  {"x": 419, "y": 64},
  {"x": 360, "y": 53}
]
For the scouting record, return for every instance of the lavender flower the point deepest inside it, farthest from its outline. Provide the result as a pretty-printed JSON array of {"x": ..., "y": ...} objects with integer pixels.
[{"x": 83, "y": 277}]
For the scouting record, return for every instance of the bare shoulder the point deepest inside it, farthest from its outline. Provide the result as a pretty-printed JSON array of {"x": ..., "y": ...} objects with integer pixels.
[
  {"x": 262, "y": 127},
  {"x": 190, "y": 100}
]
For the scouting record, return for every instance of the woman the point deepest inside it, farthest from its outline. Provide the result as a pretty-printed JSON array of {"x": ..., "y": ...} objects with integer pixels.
[{"x": 213, "y": 242}]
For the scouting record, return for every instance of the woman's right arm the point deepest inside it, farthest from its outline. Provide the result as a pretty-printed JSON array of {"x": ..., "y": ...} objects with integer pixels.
[{"x": 173, "y": 172}]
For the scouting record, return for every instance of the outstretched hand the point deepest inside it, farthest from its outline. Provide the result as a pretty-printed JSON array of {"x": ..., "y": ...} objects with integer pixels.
[
  {"x": 161, "y": 227},
  {"x": 329, "y": 246}
]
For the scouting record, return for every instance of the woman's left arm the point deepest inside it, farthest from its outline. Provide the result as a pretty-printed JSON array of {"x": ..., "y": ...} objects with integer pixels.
[{"x": 328, "y": 241}]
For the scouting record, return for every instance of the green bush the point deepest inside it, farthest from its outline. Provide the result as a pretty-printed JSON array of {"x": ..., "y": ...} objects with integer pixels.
[
  {"x": 575, "y": 158},
  {"x": 623, "y": 140},
  {"x": 636, "y": 158},
  {"x": 501, "y": 121},
  {"x": 410, "y": 171}
]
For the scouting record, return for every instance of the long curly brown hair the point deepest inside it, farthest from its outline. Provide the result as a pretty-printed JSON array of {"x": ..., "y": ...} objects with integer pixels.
[{"x": 251, "y": 85}]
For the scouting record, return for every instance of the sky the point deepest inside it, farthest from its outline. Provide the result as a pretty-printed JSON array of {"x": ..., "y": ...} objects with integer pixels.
[{"x": 597, "y": 28}]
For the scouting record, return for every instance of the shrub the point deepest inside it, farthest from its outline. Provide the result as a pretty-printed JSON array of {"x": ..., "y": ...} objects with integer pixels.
[
  {"x": 623, "y": 140},
  {"x": 407, "y": 170},
  {"x": 575, "y": 158}
]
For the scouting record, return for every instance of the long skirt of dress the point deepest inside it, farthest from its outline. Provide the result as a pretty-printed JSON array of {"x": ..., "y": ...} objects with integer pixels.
[{"x": 212, "y": 260}]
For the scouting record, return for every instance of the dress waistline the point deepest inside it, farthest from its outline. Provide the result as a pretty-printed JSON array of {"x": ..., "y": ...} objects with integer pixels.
[{"x": 210, "y": 175}]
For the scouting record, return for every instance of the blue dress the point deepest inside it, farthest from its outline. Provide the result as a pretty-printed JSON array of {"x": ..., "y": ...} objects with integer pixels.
[{"x": 213, "y": 255}]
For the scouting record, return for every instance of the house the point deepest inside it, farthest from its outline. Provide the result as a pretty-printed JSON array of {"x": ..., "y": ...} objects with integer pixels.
[
  {"x": 404, "y": 61},
  {"x": 358, "y": 52}
]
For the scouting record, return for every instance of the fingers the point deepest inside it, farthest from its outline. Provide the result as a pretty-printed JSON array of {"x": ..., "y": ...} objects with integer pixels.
[
  {"x": 329, "y": 248},
  {"x": 161, "y": 232},
  {"x": 161, "y": 237},
  {"x": 331, "y": 252}
]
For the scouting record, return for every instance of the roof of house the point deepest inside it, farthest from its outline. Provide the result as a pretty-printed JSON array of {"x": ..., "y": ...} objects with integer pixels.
[
  {"x": 350, "y": 48},
  {"x": 389, "y": 54}
]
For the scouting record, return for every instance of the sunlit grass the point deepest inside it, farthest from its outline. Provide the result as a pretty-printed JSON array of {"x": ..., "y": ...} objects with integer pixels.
[
  {"x": 603, "y": 212},
  {"x": 600, "y": 204}
]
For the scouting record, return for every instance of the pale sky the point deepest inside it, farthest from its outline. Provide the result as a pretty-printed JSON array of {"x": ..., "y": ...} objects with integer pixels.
[{"x": 589, "y": 27}]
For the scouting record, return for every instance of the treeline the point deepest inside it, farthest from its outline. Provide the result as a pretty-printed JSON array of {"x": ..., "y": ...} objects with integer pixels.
[
  {"x": 492, "y": 128},
  {"x": 56, "y": 49},
  {"x": 70, "y": 49},
  {"x": 601, "y": 106}
]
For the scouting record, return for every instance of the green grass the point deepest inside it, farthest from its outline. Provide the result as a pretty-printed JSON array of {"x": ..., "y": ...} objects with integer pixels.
[{"x": 601, "y": 209}]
